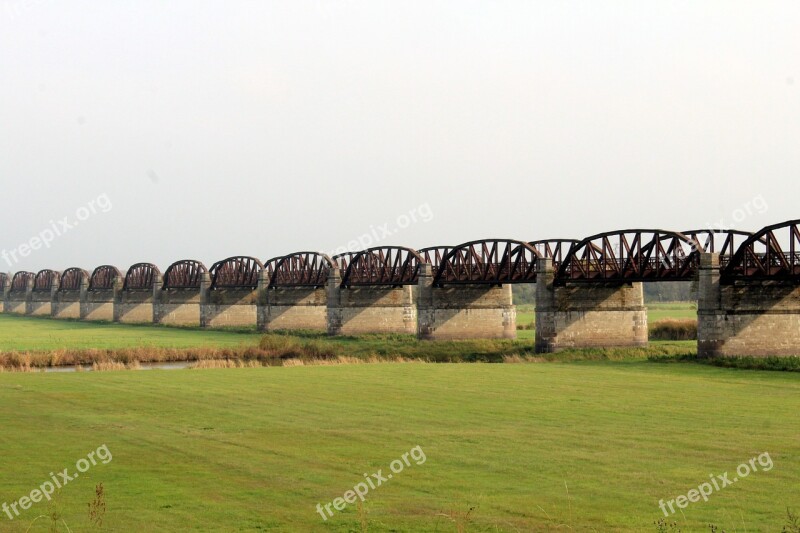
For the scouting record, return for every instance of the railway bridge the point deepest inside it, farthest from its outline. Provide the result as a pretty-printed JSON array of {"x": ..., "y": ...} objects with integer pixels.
[{"x": 588, "y": 291}]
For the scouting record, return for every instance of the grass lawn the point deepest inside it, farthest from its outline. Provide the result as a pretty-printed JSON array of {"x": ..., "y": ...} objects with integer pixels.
[
  {"x": 26, "y": 333},
  {"x": 532, "y": 447}
]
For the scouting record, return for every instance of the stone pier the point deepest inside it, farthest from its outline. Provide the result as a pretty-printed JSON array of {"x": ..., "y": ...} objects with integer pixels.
[
  {"x": 356, "y": 310},
  {"x": 99, "y": 304},
  {"x": 293, "y": 308},
  {"x": 229, "y": 307},
  {"x": 583, "y": 315},
  {"x": 746, "y": 317},
  {"x": 464, "y": 311},
  {"x": 138, "y": 306},
  {"x": 17, "y": 301}
]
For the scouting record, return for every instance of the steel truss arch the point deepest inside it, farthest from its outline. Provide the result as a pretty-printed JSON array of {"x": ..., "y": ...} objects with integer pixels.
[
  {"x": 238, "y": 272},
  {"x": 385, "y": 265},
  {"x": 488, "y": 262},
  {"x": 103, "y": 278},
  {"x": 141, "y": 276},
  {"x": 44, "y": 280},
  {"x": 762, "y": 256},
  {"x": 299, "y": 269},
  {"x": 184, "y": 274},
  {"x": 631, "y": 255},
  {"x": 20, "y": 280},
  {"x": 72, "y": 279}
]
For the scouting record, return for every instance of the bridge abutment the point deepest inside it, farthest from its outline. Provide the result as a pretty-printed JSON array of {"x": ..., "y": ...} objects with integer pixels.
[
  {"x": 587, "y": 315},
  {"x": 464, "y": 311},
  {"x": 745, "y": 317},
  {"x": 357, "y": 310}
]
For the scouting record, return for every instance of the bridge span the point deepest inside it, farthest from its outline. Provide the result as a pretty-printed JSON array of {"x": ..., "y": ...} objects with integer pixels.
[{"x": 588, "y": 291}]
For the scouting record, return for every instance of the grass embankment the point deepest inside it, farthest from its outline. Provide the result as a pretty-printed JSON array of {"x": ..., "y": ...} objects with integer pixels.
[{"x": 561, "y": 447}]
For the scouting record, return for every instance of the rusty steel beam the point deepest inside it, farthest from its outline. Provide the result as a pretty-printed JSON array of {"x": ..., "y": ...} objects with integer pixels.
[
  {"x": 773, "y": 253},
  {"x": 488, "y": 262},
  {"x": 20, "y": 280},
  {"x": 72, "y": 278},
  {"x": 141, "y": 276},
  {"x": 631, "y": 255},
  {"x": 300, "y": 269},
  {"x": 239, "y": 272},
  {"x": 382, "y": 266},
  {"x": 725, "y": 242},
  {"x": 184, "y": 274},
  {"x": 433, "y": 255},
  {"x": 103, "y": 278},
  {"x": 44, "y": 280},
  {"x": 555, "y": 249}
]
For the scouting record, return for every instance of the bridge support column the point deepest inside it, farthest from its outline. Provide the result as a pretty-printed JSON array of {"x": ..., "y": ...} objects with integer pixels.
[
  {"x": 138, "y": 306},
  {"x": 6, "y": 294},
  {"x": 293, "y": 308},
  {"x": 42, "y": 302},
  {"x": 587, "y": 315},
  {"x": 747, "y": 317},
  {"x": 101, "y": 305},
  {"x": 19, "y": 302},
  {"x": 68, "y": 304},
  {"x": 357, "y": 310},
  {"x": 464, "y": 311},
  {"x": 231, "y": 307}
]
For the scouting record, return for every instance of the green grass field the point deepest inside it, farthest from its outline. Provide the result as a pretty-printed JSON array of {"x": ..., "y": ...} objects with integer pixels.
[
  {"x": 570, "y": 446},
  {"x": 532, "y": 447},
  {"x": 25, "y": 333}
]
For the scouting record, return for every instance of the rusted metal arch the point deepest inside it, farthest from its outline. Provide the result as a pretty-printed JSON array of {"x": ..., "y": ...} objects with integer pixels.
[
  {"x": 141, "y": 276},
  {"x": 184, "y": 274},
  {"x": 103, "y": 278},
  {"x": 20, "y": 280},
  {"x": 488, "y": 262},
  {"x": 299, "y": 269},
  {"x": 72, "y": 279},
  {"x": 631, "y": 255},
  {"x": 44, "y": 280},
  {"x": 555, "y": 249},
  {"x": 3, "y": 281},
  {"x": 709, "y": 241},
  {"x": 762, "y": 256},
  {"x": 385, "y": 265},
  {"x": 433, "y": 255},
  {"x": 343, "y": 260},
  {"x": 239, "y": 272}
]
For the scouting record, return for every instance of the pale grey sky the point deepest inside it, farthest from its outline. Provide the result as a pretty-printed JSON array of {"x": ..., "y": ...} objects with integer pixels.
[{"x": 262, "y": 128}]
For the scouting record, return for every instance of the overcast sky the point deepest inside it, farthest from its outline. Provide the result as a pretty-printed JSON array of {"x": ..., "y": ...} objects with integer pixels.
[{"x": 173, "y": 130}]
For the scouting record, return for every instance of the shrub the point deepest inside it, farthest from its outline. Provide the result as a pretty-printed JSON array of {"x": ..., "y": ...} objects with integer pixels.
[{"x": 672, "y": 329}]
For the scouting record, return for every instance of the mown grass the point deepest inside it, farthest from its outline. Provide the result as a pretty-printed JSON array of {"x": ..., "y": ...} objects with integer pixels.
[
  {"x": 530, "y": 447},
  {"x": 28, "y": 333}
]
